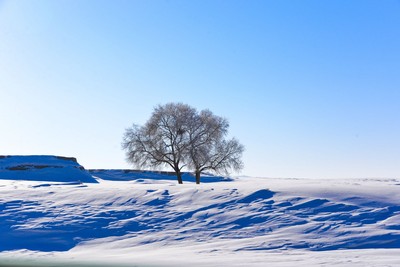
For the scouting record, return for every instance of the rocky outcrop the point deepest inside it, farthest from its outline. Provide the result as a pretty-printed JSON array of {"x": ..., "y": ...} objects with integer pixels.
[{"x": 43, "y": 168}]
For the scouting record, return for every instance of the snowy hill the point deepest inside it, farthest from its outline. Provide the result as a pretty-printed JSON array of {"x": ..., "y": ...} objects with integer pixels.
[
  {"x": 43, "y": 168},
  {"x": 246, "y": 221}
]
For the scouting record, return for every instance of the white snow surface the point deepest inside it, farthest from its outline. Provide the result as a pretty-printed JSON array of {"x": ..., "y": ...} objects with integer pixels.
[
  {"x": 43, "y": 168},
  {"x": 130, "y": 218}
]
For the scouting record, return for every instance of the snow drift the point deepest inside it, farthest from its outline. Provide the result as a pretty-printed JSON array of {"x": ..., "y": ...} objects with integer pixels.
[
  {"x": 147, "y": 216},
  {"x": 43, "y": 168}
]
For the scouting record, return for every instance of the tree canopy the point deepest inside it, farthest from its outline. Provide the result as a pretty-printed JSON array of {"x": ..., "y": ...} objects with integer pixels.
[{"x": 178, "y": 136}]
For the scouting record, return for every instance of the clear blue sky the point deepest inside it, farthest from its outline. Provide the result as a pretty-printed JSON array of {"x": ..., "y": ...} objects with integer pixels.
[{"x": 310, "y": 87}]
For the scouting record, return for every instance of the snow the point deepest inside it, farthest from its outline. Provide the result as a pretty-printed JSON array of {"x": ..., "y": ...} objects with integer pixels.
[
  {"x": 43, "y": 168},
  {"x": 147, "y": 218}
]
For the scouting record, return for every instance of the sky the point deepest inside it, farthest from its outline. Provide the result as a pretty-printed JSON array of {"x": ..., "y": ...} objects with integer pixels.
[{"x": 311, "y": 88}]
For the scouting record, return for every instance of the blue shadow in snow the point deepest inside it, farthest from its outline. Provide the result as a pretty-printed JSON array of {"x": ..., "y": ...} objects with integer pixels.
[
  {"x": 16, "y": 231},
  {"x": 141, "y": 175}
]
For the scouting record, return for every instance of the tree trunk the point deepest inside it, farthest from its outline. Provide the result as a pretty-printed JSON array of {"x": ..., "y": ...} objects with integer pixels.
[
  {"x": 197, "y": 177},
  {"x": 179, "y": 176}
]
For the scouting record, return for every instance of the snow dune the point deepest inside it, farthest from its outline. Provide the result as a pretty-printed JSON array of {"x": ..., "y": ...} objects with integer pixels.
[{"x": 148, "y": 218}]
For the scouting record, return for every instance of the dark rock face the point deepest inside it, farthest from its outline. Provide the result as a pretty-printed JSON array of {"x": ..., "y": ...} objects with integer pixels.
[
  {"x": 24, "y": 167},
  {"x": 67, "y": 158}
]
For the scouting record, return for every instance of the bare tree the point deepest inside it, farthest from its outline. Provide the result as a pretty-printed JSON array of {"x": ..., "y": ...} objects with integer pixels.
[
  {"x": 208, "y": 150},
  {"x": 176, "y": 135},
  {"x": 162, "y": 141},
  {"x": 225, "y": 156}
]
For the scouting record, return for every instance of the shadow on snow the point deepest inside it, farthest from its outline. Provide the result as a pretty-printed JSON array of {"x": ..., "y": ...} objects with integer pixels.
[{"x": 30, "y": 225}]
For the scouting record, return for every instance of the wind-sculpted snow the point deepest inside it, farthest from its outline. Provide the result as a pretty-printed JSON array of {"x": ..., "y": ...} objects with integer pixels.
[{"x": 247, "y": 214}]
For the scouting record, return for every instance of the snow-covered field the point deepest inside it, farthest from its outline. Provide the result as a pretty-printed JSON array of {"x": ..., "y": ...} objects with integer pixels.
[{"x": 146, "y": 218}]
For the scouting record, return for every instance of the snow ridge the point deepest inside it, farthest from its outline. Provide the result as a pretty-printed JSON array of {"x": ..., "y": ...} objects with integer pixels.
[
  {"x": 54, "y": 217},
  {"x": 132, "y": 213}
]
